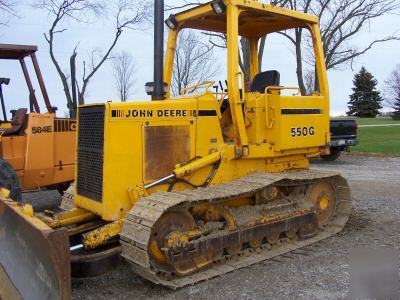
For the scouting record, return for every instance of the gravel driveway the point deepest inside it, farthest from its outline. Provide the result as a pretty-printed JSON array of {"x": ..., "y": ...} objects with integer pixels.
[{"x": 319, "y": 271}]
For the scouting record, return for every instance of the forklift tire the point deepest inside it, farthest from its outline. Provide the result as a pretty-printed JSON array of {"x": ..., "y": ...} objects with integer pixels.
[
  {"x": 10, "y": 181},
  {"x": 334, "y": 155}
]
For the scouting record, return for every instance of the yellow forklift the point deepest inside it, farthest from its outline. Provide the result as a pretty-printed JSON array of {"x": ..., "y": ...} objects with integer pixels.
[
  {"x": 191, "y": 187},
  {"x": 36, "y": 148}
]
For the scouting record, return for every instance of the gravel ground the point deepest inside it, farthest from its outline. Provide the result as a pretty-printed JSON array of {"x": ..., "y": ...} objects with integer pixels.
[{"x": 319, "y": 271}]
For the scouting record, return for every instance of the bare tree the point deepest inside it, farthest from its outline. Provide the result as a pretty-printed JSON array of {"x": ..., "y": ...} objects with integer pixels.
[
  {"x": 124, "y": 69},
  {"x": 126, "y": 14},
  {"x": 193, "y": 62},
  {"x": 7, "y": 6},
  {"x": 7, "y": 9},
  {"x": 340, "y": 22},
  {"x": 392, "y": 89},
  {"x": 184, "y": 4},
  {"x": 309, "y": 82}
]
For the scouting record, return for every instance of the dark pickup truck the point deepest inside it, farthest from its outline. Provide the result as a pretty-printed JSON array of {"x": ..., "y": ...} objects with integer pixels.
[{"x": 343, "y": 135}]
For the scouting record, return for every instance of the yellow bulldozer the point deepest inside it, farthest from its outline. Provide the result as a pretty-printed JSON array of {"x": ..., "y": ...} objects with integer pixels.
[
  {"x": 36, "y": 149},
  {"x": 190, "y": 187}
]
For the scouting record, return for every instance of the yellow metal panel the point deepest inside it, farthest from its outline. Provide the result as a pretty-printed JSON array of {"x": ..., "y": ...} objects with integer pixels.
[
  {"x": 66, "y": 173},
  {"x": 13, "y": 150},
  {"x": 64, "y": 141},
  {"x": 169, "y": 59},
  {"x": 88, "y": 204},
  {"x": 322, "y": 76},
  {"x": 40, "y": 135},
  {"x": 5, "y": 125},
  {"x": 261, "y": 150},
  {"x": 295, "y": 122},
  {"x": 123, "y": 156},
  {"x": 254, "y": 67},
  {"x": 233, "y": 73},
  {"x": 208, "y": 131},
  {"x": 193, "y": 13},
  {"x": 255, "y": 114}
]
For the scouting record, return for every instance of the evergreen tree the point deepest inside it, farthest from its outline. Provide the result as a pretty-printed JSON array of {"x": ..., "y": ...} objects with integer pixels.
[
  {"x": 396, "y": 107},
  {"x": 365, "y": 101}
]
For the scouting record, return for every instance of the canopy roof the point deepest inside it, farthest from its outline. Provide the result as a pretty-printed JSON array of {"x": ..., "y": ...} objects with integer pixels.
[
  {"x": 256, "y": 19},
  {"x": 9, "y": 51}
]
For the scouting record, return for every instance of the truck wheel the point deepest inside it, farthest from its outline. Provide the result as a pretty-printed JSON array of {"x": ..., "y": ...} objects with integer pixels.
[
  {"x": 10, "y": 181},
  {"x": 334, "y": 155}
]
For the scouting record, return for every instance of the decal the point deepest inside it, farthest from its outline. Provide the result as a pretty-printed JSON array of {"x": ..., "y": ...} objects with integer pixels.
[
  {"x": 301, "y": 111},
  {"x": 41, "y": 129},
  {"x": 63, "y": 125},
  {"x": 149, "y": 113},
  {"x": 302, "y": 131}
]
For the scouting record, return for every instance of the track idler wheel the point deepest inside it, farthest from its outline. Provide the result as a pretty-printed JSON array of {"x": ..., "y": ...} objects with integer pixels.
[{"x": 322, "y": 196}]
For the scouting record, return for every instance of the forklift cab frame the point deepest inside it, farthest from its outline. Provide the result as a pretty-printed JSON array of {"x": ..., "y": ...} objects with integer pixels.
[{"x": 20, "y": 52}]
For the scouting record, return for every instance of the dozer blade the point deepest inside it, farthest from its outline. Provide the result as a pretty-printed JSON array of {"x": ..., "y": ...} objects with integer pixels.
[{"x": 34, "y": 259}]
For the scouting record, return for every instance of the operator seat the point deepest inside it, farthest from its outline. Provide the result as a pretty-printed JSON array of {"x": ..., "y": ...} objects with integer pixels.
[
  {"x": 17, "y": 122},
  {"x": 258, "y": 84},
  {"x": 263, "y": 80}
]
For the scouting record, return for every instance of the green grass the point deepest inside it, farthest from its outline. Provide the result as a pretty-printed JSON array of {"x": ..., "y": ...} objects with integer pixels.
[
  {"x": 376, "y": 121},
  {"x": 382, "y": 140}
]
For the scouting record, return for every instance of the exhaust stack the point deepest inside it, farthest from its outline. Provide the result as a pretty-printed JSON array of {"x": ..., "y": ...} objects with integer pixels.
[{"x": 158, "y": 91}]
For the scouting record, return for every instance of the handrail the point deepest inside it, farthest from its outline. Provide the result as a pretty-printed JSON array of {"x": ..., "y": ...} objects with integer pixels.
[
  {"x": 279, "y": 88},
  {"x": 219, "y": 95},
  {"x": 195, "y": 86}
]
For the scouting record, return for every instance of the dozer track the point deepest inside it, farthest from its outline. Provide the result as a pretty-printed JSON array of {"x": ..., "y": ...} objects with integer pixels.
[{"x": 287, "y": 223}]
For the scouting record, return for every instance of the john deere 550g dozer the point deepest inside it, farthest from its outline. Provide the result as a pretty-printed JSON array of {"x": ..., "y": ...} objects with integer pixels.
[{"x": 195, "y": 186}]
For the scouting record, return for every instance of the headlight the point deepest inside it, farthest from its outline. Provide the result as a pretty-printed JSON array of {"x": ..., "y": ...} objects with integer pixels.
[
  {"x": 171, "y": 22},
  {"x": 218, "y": 6},
  {"x": 149, "y": 88}
]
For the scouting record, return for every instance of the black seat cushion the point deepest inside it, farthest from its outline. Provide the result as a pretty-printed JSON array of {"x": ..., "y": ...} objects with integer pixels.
[
  {"x": 17, "y": 122},
  {"x": 263, "y": 80}
]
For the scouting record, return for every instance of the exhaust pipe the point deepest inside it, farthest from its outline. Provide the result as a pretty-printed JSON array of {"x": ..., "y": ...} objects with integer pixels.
[
  {"x": 158, "y": 89},
  {"x": 5, "y": 81}
]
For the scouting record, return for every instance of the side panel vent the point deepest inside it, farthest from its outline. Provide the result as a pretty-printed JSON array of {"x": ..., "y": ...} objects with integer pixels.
[{"x": 90, "y": 152}]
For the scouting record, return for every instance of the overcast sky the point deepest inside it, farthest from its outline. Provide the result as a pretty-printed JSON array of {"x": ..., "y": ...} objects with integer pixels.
[{"x": 32, "y": 23}]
